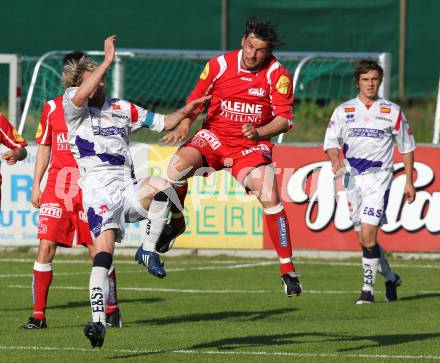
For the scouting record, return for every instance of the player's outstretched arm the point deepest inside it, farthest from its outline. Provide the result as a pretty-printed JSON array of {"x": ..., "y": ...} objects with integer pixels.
[
  {"x": 189, "y": 111},
  {"x": 90, "y": 83}
]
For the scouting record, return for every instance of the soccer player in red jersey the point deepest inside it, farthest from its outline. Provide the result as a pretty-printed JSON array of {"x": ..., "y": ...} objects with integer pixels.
[
  {"x": 10, "y": 137},
  {"x": 61, "y": 211},
  {"x": 251, "y": 102}
]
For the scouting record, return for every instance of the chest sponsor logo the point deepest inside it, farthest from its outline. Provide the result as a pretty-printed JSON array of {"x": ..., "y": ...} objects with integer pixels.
[
  {"x": 248, "y": 79},
  {"x": 115, "y": 106},
  {"x": 283, "y": 85},
  {"x": 62, "y": 143},
  {"x": 349, "y": 109},
  {"x": 259, "y": 92},
  {"x": 365, "y": 132},
  {"x": 213, "y": 141},
  {"x": 241, "y": 111},
  {"x": 108, "y": 131},
  {"x": 385, "y": 110},
  {"x": 50, "y": 211}
]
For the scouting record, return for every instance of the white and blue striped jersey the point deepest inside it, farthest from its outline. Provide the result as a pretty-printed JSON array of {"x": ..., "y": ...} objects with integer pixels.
[
  {"x": 98, "y": 137},
  {"x": 367, "y": 135}
]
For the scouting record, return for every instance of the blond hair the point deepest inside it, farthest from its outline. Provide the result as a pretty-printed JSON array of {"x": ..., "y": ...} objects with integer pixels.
[{"x": 74, "y": 69}]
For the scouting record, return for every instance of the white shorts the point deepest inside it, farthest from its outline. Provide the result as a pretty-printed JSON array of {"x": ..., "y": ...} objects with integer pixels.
[
  {"x": 111, "y": 207},
  {"x": 367, "y": 196}
]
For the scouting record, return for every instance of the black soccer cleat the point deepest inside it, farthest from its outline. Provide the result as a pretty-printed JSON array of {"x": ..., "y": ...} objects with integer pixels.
[
  {"x": 366, "y": 298},
  {"x": 292, "y": 286},
  {"x": 168, "y": 236},
  {"x": 391, "y": 288},
  {"x": 35, "y": 324},
  {"x": 113, "y": 320},
  {"x": 95, "y": 332}
]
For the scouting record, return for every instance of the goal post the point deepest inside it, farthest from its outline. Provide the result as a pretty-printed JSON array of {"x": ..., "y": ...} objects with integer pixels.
[{"x": 14, "y": 87}]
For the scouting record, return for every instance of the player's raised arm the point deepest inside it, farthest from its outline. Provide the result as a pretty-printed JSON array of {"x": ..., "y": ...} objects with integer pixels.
[{"x": 92, "y": 79}]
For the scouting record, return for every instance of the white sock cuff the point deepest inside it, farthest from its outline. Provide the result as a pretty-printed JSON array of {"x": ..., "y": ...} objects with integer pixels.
[
  {"x": 285, "y": 260},
  {"x": 273, "y": 210},
  {"x": 42, "y": 267},
  {"x": 110, "y": 270}
]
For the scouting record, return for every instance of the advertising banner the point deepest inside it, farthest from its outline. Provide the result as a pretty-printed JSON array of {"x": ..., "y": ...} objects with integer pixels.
[{"x": 318, "y": 221}]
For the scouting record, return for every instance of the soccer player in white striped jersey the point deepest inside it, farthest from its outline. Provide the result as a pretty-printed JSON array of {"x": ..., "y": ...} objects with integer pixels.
[
  {"x": 98, "y": 131},
  {"x": 366, "y": 129}
]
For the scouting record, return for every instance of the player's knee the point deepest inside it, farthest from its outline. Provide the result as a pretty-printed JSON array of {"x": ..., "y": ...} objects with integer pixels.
[{"x": 103, "y": 259}]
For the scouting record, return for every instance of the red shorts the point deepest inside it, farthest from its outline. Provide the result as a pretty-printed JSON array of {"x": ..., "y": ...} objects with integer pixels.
[
  {"x": 59, "y": 219},
  {"x": 240, "y": 159}
]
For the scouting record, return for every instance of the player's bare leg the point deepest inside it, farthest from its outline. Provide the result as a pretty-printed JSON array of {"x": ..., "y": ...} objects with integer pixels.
[
  {"x": 182, "y": 166},
  {"x": 261, "y": 181}
]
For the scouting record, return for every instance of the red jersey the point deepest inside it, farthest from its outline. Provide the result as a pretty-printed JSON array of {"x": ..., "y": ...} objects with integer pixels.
[
  {"x": 240, "y": 96},
  {"x": 53, "y": 131},
  {"x": 9, "y": 136}
]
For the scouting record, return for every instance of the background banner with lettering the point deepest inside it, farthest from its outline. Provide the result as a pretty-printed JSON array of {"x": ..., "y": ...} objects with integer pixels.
[{"x": 317, "y": 221}]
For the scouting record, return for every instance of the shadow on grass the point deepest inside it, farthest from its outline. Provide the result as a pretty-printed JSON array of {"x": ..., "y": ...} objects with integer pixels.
[
  {"x": 294, "y": 339},
  {"x": 221, "y": 315},
  {"x": 420, "y": 297},
  {"x": 86, "y": 303}
]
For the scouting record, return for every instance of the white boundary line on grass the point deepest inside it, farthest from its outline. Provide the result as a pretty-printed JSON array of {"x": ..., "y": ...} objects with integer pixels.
[
  {"x": 301, "y": 262},
  {"x": 217, "y": 291},
  {"x": 237, "y": 353},
  {"x": 179, "y": 269}
]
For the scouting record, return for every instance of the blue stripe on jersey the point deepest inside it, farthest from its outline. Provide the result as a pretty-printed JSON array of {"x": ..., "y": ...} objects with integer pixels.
[{"x": 148, "y": 120}]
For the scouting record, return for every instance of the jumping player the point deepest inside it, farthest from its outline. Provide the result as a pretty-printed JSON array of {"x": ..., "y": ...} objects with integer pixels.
[
  {"x": 366, "y": 128},
  {"x": 251, "y": 102}
]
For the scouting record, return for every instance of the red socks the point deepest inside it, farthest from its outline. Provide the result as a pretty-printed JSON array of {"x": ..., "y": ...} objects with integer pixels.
[
  {"x": 40, "y": 287},
  {"x": 278, "y": 228}
]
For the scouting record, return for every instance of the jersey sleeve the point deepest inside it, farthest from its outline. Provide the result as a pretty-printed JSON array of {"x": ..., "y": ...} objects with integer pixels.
[
  {"x": 282, "y": 93},
  {"x": 73, "y": 115},
  {"x": 141, "y": 117},
  {"x": 333, "y": 135},
  {"x": 44, "y": 132},
  {"x": 9, "y": 136},
  {"x": 403, "y": 135},
  {"x": 206, "y": 80}
]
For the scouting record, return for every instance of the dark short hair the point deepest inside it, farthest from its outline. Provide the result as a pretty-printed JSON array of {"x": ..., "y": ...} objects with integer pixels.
[
  {"x": 263, "y": 30},
  {"x": 366, "y": 65},
  {"x": 74, "y": 56}
]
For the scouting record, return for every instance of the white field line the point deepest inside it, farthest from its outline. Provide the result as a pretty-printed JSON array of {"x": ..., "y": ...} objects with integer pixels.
[
  {"x": 218, "y": 291},
  {"x": 122, "y": 262},
  {"x": 226, "y": 353},
  {"x": 301, "y": 262},
  {"x": 180, "y": 269}
]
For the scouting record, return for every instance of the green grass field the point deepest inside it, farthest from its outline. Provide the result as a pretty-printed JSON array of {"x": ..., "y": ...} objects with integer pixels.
[{"x": 225, "y": 309}]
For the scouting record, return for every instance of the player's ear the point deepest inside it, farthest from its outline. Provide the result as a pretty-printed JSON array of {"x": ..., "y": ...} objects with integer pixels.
[{"x": 242, "y": 41}]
